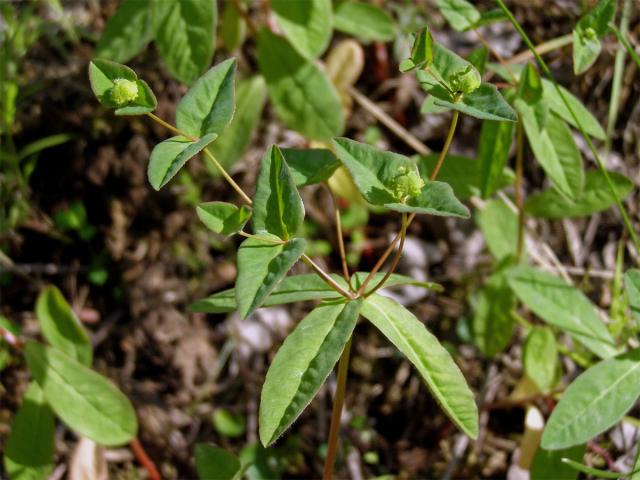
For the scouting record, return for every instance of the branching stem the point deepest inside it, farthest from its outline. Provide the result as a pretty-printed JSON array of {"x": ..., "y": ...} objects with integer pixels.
[{"x": 327, "y": 278}]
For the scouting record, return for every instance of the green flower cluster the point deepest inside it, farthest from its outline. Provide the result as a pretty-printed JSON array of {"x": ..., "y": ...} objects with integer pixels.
[
  {"x": 406, "y": 184},
  {"x": 124, "y": 91},
  {"x": 466, "y": 80}
]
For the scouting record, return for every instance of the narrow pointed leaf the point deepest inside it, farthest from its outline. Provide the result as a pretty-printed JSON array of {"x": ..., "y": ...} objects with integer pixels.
[
  {"x": 277, "y": 206},
  {"x": 431, "y": 359},
  {"x": 563, "y": 306},
  {"x": 224, "y": 218},
  {"x": 169, "y": 156},
  {"x": 594, "y": 402},
  {"x": 127, "y": 32},
  {"x": 261, "y": 266},
  {"x": 365, "y": 21},
  {"x": 632, "y": 284},
  {"x": 28, "y": 451},
  {"x": 209, "y": 105},
  {"x": 493, "y": 154},
  {"x": 540, "y": 357},
  {"x": 302, "y": 364},
  {"x": 492, "y": 324},
  {"x": 306, "y": 24},
  {"x": 87, "y": 402},
  {"x": 61, "y": 327},
  {"x": 301, "y": 93}
]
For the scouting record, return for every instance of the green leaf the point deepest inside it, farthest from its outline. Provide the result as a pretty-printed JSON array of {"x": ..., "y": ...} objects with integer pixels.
[
  {"x": 61, "y": 327},
  {"x": 445, "y": 66},
  {"x": 594, "y": 402},
  {"x": 459, "y": 13},
  {"x": 479, "y": 58},
  {"x": 305, "y": 23},
  {"x": 499, "y": 225},
  {"x": 436, "y": 198},
  {"x": 28, "y": 451},
  {"x": 302, "y": 364},
  {"x": 588, "y": 32},
  {"x": 632, "y": 284},
  {"x": 222, "y": 217},
  {"x": 422, "y": 51},
  {"x": 310, "y": 165},
  {"x": 302, "y": 95},
  {"x": 485, "y": 103},
  {"x": 540, "y": 357},
  {"x": 261, "y": 266},
  {"x": 127, "y": 33},
  {"x": 462, "y": 173},
  {"x": 365, "y": 21},
  {"x": 87, "y": 402},
  {"x": 394, "y": 280},
  {"x": 555, "y": 150},
  {"x": 228, "y": 424},
  {"x": 493, "y": 154},
  {"x": 492, "y": 323},
  {"x": 209, "y": 105},
  {"x": 596, "y": 197},
  {"x": 549, "y": 464},
  {"x": 213, "y": 462},
  {"x": 251, "y": 97},
  {"x": 563, "y": 306},
  {"x": 169, "y": 156},
  {"x": 277, "y": 206},
  {"x": 424, "y": 351},
  {"x": 185, "y": 36},
  {"x": 233, "y": 28},
  {"x": 579, "y": 467},
  {"x": 556, "y": 105}
]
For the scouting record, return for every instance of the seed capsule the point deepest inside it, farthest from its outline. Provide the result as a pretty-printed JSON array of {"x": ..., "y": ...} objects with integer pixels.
[{"x": 124, "y": 92}]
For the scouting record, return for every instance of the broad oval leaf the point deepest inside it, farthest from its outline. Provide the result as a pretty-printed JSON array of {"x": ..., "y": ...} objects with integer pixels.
[
  {"x": 28, "y": 451},
  {"x": 216, "y": 463},
  {"x": 563, "y": 306},
  {"x": 86, "y": 401},
  {"x": 169, "y": 156},
  {"x": 61, "y": 327},
  {"x": 208, "y": 106},
  {"x": 261, "y": 266},
  {"x": 540, "y": 357},
  {"x": 277, "y": 206},
  {"x": 596, "y": 197},
  {"x": 302, "y": 95},
  {"x": 185, "y": 36},
  {"x": 302, "y": 364},
  {"x": 310, "y": 165},
  {"x": 431, "y": 359},
  {"x": 305, "y": 23},
  {"x": 363, "y": 20},
  {"x": 594, "y": 402},
  {"x": 251, "y": 96},
  {"x": 127, "y": 33},
  {"x": 222, "y": 217}
]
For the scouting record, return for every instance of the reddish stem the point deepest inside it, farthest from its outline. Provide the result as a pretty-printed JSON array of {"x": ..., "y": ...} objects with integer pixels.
[{"x": 144, "y": 460}]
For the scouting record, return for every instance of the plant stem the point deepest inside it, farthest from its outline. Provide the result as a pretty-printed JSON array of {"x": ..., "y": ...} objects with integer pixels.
[
  {"x": 336, "y": 412},
  {"x": 519, "y": 194},
  {"x": 625, "y": 42},
  {"x": 394, "y": 264},
  {"x": 447, "y": 144},
  {"x": 145, "y": 461},
  {"x": 576, "y": 119},
  {"x": 326, "y": 277},
  {"x": 618, "y": 71},
  {"x": 167, "y": 125},
  {"x": 340, "y": 238},
  {"x": 543, "y": 48}
]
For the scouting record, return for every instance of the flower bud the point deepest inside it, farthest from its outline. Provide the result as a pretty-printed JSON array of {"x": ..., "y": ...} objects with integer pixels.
[
  {"x": 466, "y": 81},
  {"x": 589, "y": 33},
  {"x": 124, "y": 91},
  {"x": 406, "y": 184}
]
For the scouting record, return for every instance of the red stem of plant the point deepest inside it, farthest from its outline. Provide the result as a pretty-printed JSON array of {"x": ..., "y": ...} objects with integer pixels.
[{"x": 144, "y": 460}]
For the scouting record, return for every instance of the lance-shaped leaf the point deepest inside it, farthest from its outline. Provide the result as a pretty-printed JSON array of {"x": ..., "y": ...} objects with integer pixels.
[
  {"x": 549, "y": 464},
  {"x": 555, "y": 150},
  {"x": 485, "y": 103},
  {"x": 588, "y": 32},
  {"x": 277, "y": 206},
  {"x": 459, "y": 13},
  {"x": 185, "y": 36},
  {"x": 422, "y": 51},
  {"x": 596, "y": 197},
  {"x": 540, "y": 357},
  {"x": 632, "y": 284},
  {"x": 213, "y": 462},
  {"x": 302, "y": 364},
  {"x": 301, "y": 93},
  {"x": 61, "y": 327},
  {"x": 493, "y": 154},
  {"x": 87, "y": 402},
  {"x": 169, "y": 156},
  {"x": 305, "y": 23},
  {"x": 310, "y": 165},
  {"x": 363, "y": 20},
  {"x": 594, "y": 402},
  {"x": 251, "y": 97},
  {"x": 28, "y": 451},
  {"x": 499, "y": 225},
  {"x": 222, "y": 217},
  {"x": 440, "y": 373},
  {"x": 563, "y": 306},
  {"x": 105, "y": 76},
  {"x": 261, "y": 266},
  {"x": 209, "y": 105},
  {"x": 127, "y": 33}
]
